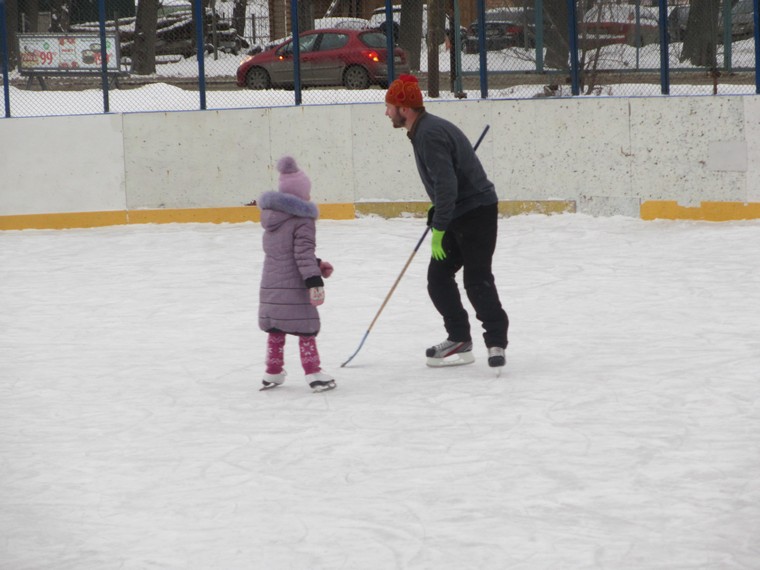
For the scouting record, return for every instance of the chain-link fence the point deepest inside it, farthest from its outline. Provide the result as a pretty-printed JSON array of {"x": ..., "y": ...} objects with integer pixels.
[{"x": 160, "y": 55}]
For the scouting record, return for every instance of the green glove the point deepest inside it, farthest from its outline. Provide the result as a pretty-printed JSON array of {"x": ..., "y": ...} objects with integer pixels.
[{"x": 437, "y": 242}]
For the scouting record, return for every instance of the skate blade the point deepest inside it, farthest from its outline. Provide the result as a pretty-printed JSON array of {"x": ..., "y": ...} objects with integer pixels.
[
  {"x": 322, "y": 386},
  {"x": 270, "y": 386},
  {"x": 453, "y": 360}
]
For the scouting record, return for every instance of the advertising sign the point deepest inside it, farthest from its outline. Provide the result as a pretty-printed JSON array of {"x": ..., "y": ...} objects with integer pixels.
[{"x": 56, "y": 53}]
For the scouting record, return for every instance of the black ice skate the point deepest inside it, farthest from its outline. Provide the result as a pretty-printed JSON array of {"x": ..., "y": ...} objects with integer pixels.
[
  {"x": 496, "y": 357},
  {"x": 450, "y": 353}
]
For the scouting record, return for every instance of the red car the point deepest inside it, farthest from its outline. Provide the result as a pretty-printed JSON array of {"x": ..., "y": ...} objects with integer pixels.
[{"x": 355, "y": 59}]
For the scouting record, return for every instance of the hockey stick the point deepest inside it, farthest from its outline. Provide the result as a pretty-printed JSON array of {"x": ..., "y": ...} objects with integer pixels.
[{"x": 400, "y": 275}]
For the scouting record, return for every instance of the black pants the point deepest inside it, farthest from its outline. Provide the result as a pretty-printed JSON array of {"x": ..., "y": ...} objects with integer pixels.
[{"x": 469, "y": 244}]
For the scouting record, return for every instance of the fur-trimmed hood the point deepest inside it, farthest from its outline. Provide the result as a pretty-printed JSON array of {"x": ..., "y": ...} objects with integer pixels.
[
  {"x": 277, "y": 207},
  {"x": 288, "y": 204}
]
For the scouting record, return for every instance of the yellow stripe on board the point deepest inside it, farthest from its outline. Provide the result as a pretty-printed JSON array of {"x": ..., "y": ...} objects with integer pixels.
[
  {"x": 163, "y": 216},
  {"x": 708, "y": 211},
  {"x": 62, "y": 221},
  {"x": 506, "y": 208}
]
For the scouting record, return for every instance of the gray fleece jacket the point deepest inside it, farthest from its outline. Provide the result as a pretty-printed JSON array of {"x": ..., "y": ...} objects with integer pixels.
[{"x": 450, "y": 170}]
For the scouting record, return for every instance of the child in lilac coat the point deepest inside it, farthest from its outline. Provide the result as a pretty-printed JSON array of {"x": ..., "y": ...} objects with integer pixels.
[{"x": 291, "y": 280}]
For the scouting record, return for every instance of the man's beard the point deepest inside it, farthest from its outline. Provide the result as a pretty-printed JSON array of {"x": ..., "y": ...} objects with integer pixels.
[{"x": 398, "y": 121}]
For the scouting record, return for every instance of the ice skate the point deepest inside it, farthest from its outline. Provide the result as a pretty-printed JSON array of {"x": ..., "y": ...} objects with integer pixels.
[
  {"x": 496, "y": 358},
  {"x": 272, "y": 380},
  {"x": 450, "y": 353},
  {"x": 320, "y": 382}
]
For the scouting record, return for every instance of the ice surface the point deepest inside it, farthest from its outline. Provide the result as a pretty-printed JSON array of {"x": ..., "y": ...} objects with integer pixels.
[{"x": 624, "y": 432}]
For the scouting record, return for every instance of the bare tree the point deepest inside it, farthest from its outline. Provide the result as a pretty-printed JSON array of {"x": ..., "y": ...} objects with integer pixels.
[
  {"x": 305, "y": 15},
  {"x": 700, "y": 45},
  {"x": 435, "y": 36},
  {"x": 144, "y": 51},
  {"x": 32, "y": 12},
  {"x": 556, "y": 34},
  {"x": 238, "y": 16},
  {"x": 410, "y": 31},
  {"x": 11, "y": 18}
]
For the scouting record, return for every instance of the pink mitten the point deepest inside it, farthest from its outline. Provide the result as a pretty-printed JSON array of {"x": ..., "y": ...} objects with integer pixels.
[
  {"x": 326, "y": 268},
  {"x": 317, "y": 295}
]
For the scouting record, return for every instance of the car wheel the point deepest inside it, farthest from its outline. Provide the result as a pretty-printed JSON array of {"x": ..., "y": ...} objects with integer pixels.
[
  {"x": 257, "y": 78},
  {"x": 356, "y": 77}
]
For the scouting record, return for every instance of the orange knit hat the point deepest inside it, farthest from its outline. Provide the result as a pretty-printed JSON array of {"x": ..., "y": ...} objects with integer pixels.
[{"x": 405, "y": 92}]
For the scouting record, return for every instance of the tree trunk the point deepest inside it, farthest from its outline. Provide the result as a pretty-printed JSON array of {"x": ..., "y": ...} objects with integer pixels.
[
  {"x": 701, "y": 41},
  {"x": 11, "y": 24},
  {"x": 434, "y": 39},
  {"x": 410, "y": 31},
  {"x": 238, "y": 17},
  {"x": 144, "y": 51},
  {"x": 32, "y": 12},
  {"x": 556, "y": 34},
  {"x": 305, "y": 15}
]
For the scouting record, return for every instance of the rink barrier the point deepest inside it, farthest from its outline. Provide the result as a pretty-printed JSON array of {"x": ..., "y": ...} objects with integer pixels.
[
  {"x": 676, "y": 158},
  {"x": 249, "y": 214},
  {"x": 234, "y": 215},
  {"x": 707, "y": 211},
  {"x": 650, "y": 210},
  {"x": 506, "y": 208}
]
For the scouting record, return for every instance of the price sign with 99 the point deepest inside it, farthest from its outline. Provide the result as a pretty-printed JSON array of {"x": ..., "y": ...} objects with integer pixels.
[{"x": 45, "y": 57}]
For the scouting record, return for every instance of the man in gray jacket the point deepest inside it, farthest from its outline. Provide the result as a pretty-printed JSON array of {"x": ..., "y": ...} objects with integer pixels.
[{"x": 464, "y": 220}]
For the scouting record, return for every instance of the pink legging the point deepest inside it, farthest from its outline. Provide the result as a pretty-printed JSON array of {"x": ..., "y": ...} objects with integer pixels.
[{"x": 276, "y": 353}]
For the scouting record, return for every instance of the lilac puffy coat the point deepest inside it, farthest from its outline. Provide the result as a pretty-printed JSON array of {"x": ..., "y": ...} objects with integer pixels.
[{"x": 290, "y": 265}]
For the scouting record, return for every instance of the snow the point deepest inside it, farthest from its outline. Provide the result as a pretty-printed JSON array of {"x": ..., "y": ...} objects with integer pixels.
[{"x": 623, "y": 433}]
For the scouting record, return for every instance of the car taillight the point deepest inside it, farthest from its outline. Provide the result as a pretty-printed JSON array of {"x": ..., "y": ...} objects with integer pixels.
[{"x": 373, "y": 55}]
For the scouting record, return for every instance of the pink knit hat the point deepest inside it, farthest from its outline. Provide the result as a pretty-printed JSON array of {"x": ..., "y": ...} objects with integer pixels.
[{"x": 292, "y": 179}]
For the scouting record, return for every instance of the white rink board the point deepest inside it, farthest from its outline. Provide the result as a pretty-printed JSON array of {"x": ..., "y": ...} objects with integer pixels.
[
  {"x": 61, "y": 165},
  {"x": 606, "y": 154}
]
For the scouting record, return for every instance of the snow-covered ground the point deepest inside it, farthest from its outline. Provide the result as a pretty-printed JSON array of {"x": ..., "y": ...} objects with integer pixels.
[{"x": 624, "y": 432}]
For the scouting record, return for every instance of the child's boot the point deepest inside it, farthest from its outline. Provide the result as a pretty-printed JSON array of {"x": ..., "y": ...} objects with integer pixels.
[
  {"x": 320, "y": 381},
  {"x": 273, "y": 380}
]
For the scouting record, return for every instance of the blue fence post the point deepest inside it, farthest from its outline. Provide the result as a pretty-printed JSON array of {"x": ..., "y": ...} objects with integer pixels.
[
  {"x": 757, "y": 46},
  {"x": 103, "y": 55},
  {"x": 390, "y": 41},
  {"x": 296, "y": 50},
  {"x": 664, "y": 48},
  {"x": 572, "y": 25},
  {"x": 200, "y": 41},
  {"x": 4, "y": 50},
  {"x": 482, "y": 49}
]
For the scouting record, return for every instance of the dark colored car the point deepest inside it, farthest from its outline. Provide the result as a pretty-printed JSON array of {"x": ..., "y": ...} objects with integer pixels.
[
  {"x": 504, "y": 28},
  {"x": 355, "y": 59}
]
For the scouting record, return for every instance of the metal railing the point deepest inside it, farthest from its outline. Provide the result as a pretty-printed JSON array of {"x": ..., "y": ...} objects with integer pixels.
[{"x": 520, "y": 49}]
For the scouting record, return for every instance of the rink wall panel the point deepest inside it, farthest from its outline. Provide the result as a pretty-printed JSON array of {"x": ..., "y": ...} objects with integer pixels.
[
  {"x": 669, "y": 157},
  {"x": 54, "y": 165}
]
